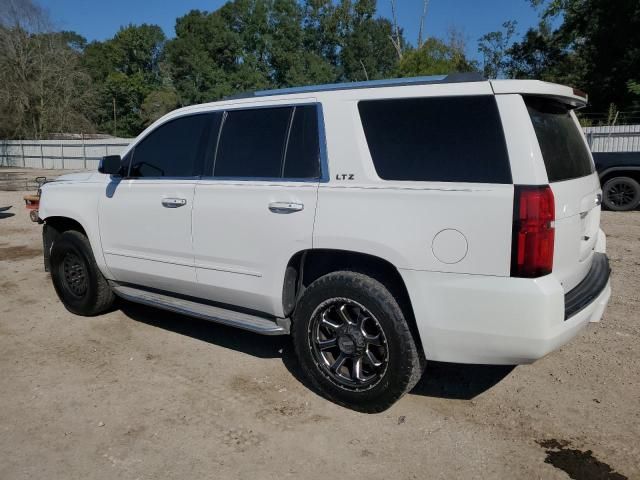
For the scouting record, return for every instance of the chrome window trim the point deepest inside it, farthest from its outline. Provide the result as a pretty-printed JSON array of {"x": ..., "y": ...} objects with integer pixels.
[
  {"x": 143, "y": 179},
  {"x": 262, "y": 179}
]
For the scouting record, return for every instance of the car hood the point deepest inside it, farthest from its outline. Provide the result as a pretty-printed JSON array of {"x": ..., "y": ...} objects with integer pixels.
[{"x": 76, "y": 177}]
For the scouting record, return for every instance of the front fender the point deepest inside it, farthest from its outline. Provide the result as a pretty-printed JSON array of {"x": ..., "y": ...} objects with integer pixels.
[{"x": 76, "y": 201}]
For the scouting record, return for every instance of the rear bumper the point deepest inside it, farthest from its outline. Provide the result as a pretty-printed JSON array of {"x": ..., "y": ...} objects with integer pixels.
[
  {"x": 502, "y": 320},
  {"x": 589, "y": 288}
]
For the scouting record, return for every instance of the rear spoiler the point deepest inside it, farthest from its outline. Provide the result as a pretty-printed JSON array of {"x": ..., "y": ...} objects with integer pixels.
[{"x": 570, "y": 96}]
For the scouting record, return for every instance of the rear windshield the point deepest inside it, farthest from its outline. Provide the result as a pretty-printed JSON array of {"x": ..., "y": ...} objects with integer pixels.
[
  {"x": 563, "y": 149},
  {"x": 440, "y": 139}
]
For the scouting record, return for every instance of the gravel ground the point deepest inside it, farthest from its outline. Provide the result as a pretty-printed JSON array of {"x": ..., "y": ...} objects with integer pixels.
[{"x": 141, "y": 393}]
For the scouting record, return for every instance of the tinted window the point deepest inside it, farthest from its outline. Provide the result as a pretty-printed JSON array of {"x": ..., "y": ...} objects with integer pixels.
[
  {"x": 252, "y": 143},
  {"x": 563, "y": 149},
  {"x": 303, "y": 151},
  {"x": 444, "y": 139},
  {"x": 171, "y": 150}
]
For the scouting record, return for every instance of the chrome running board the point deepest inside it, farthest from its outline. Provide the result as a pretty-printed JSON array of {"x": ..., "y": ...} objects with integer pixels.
[{"x": 253, "y": 323}]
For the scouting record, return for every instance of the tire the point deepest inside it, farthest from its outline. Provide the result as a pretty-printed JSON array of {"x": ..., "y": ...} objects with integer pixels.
[
  {"x": 378, "y": 334},
  {"x": 621, "y": 194},
  {"x": 76, "y": 278}
]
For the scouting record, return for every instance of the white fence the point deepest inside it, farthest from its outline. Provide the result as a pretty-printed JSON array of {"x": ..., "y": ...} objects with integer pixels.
[
  {"x": 59, "y": 154},
  {"x": 619, "y": 138}
]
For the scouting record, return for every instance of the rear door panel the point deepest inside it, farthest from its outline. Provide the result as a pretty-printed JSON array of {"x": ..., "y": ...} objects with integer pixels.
[
  {"x": 241, "y": 247},
  {"x": 256, "y": 207}
]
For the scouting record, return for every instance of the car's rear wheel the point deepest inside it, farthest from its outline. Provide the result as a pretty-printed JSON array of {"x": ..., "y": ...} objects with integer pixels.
[
  {"x": 354, "y": 343},
  {"x": 76, "y": 278},
  {"x": 621, "y": 194}
]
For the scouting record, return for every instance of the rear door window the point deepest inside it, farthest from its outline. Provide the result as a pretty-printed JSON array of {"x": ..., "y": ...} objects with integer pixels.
[
  {"x": 302, "y": 159},
  {"x": 174, "y": 149},
  {"x": 252, "y": 143},
  {"x": 440, "y": 139},
  {"x": 278, "y": 142},
  {"x": 564, "y": 151}
]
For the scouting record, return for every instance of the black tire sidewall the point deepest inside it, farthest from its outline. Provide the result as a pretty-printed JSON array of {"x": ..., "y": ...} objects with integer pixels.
[
  {"x": 74, "y": 242},
  {"x": 611, "y": 206},
  {"x": 401, "y": 348}
]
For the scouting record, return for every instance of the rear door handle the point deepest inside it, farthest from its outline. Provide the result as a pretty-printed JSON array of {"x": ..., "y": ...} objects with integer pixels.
[
  {"x": 174, "y": 202},
  {"x": 285, "y": 207}
]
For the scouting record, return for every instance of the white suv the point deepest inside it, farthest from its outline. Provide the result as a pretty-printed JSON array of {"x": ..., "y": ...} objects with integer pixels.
[{"x": 380, "y": 224}]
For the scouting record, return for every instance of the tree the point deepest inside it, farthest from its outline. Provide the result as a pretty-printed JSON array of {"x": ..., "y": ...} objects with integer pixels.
[
  {"x": 494, "y": 48},
  {"x": 291, "y": 62},
  {"x": 540, "y": 55},
  {"x": 435, "y": 57},
  {"x": 212, "y": 55},
  {"x": 158, "y": 103},
  {"x": 255, "y": 44},
  {"x": 634, "y": 89},
  {"x": 43, "y": 89},
  {"x": 396, "y": 37},
  {"x": 322, "y": 30},
  {"x": 366, "y": 52},
  {"x": 596, "y": 48},
  {"x": 125, "y": 70}
]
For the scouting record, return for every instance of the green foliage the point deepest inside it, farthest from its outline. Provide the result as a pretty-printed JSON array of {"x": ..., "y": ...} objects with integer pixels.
[
  {"x": 216, "y": 54},
  {"x": 435, "y": 57},
  {"x": 125, "y": 70},
  {"x": 157, "y": 104},
  {"x": 255, "y": 44},
  {"x": 55, "y": 81},
  {"x": 367, "y": 52},
  {"x": 612, "y": 114},
  {"x": 596, "y": 48},
  {"x": 494, "y": 46},
  {"x": 540, "y": 56}
]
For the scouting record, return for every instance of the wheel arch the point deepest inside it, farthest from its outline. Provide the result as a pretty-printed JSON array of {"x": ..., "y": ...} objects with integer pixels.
[
  {"x": 622, "y": 171},
  {"x": 54, "y": 226},
  {"x": 306, "y": 266}
]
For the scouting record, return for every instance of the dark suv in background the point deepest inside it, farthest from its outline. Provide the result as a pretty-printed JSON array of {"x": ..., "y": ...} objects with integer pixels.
[{"x": 619, "y": 174}]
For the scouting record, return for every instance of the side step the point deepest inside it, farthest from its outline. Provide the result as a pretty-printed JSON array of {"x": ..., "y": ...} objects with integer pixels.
[{"x": 253, "y": 323}]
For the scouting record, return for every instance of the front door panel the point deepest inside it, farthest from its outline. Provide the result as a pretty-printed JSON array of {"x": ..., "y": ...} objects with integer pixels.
[{"x": 145, "y": 228}]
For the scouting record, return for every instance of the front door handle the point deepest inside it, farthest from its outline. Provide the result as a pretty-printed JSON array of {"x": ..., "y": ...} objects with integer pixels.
[
  {"x": 174, "y": 202},
  {"x": 285, "y": 207}
]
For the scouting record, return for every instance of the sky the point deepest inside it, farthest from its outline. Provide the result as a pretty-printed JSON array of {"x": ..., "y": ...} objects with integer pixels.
[{"x": 100, "y": 20}]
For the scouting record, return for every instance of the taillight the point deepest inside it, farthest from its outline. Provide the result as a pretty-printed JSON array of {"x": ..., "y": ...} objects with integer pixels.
[{"x": 533, "y": 231}]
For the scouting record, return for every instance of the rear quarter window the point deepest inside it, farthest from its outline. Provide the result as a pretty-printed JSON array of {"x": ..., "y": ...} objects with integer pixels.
[
  {"x": 564, "y": 151},
  {"x": 441, "y": 139}
]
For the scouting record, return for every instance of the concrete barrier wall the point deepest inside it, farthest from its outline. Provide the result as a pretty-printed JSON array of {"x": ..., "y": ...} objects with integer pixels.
[{"x": 59, "y": 154}]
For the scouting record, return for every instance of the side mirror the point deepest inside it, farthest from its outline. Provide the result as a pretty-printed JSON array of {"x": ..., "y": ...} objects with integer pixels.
[{"x": 110, "y": 165}]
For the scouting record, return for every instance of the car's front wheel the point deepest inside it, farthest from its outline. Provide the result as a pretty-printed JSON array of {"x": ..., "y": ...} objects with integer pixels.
[
  {"x": 354, "y": 343},
  {"x": 76, "y": 278}
]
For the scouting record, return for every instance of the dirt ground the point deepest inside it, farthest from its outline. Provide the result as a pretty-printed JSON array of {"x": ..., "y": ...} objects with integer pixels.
[{"x": 140, "y": 393}]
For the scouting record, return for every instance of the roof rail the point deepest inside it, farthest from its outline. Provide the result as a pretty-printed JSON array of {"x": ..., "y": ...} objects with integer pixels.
[{"x": 391, "y": 82}]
